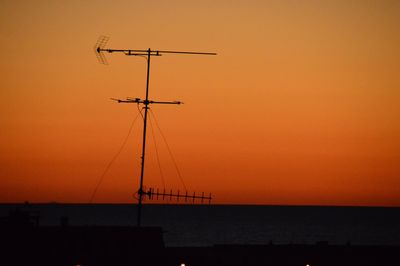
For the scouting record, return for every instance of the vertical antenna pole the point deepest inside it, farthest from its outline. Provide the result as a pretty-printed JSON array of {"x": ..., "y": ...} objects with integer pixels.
[{"x": 146, "y": 103}]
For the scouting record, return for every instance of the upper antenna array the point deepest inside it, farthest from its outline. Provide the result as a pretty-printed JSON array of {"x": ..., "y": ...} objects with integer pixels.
[
  {"x": 102, "y": 41},
  {"x": 99, "y": 49}
]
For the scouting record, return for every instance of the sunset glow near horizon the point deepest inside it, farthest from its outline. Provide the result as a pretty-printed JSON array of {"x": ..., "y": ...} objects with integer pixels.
[{"x": 301, "y": 106}]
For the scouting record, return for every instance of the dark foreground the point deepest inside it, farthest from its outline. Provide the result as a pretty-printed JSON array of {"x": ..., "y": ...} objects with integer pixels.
[{"x": 23, "y": 242}]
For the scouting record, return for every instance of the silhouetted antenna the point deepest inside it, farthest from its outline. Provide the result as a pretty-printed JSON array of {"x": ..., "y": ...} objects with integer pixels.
[{"x": 99, "y": 49}]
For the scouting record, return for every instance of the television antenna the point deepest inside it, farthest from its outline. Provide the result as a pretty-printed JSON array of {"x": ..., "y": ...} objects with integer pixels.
[{"x": 99, "y": 51}]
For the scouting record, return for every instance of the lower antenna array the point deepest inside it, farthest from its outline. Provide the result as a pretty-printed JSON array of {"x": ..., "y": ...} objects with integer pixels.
[{"x": 156, "y": 195}]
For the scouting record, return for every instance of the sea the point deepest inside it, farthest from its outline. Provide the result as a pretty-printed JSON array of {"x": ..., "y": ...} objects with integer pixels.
[{"x": 208, "y": 225}]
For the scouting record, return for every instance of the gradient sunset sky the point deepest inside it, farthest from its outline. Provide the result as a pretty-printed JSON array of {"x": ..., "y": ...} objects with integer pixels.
[{"x": 301, "y": 105}]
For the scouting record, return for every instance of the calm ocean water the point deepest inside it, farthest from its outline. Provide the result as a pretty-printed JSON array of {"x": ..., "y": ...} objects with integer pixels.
[{"x": 203, "y": 225}]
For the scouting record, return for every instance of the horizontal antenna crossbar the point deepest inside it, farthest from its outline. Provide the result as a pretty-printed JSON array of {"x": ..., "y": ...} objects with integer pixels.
[
  {"x": 147, "y": 52},
  {"x": 138, "y": 100}
]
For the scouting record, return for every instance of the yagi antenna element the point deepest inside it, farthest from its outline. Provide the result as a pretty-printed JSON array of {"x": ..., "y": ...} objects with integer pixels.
[{"x": 156, "y": 194}]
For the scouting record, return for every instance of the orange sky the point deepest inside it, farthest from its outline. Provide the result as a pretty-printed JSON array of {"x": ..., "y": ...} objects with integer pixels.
[{"x": 301, "y": 105}]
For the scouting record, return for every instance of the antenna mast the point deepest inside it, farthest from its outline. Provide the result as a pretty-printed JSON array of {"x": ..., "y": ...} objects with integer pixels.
[{"x": 99, "y": 49}]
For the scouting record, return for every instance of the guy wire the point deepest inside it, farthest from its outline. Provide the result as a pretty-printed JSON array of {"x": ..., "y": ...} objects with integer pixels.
[
  {"x": 158, "y": 157},
  {"x": 113, "y": 159},
  {"x": 169, "y": 150}
]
